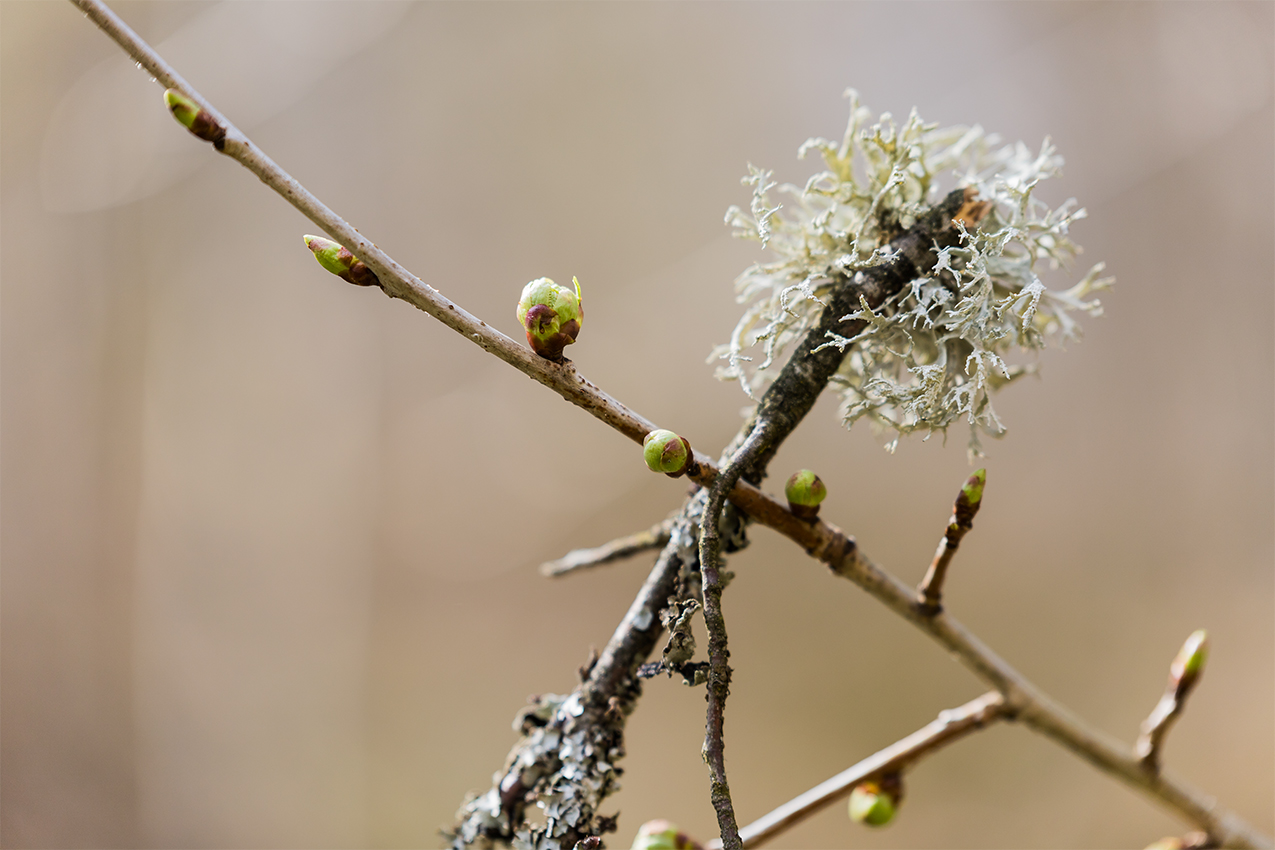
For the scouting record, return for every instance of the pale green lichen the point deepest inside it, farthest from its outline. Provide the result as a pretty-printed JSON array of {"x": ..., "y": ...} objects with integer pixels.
[{"x": 930, "y": 355}]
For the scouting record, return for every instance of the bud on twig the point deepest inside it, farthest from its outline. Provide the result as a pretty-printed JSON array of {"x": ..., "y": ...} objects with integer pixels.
[
  {"x": 1184, "y": 672},
  {"x": 968, "y": 501},
  {"x": 805, "y": 491},
  {"x": 194, "y": 119},
  {"x": 337, "y": 259},
  {"x": 666, "y": 452},
  {"x": 662, "y": 835},
  {"x": 551, "y": 315},
  {"x": 1197, "y": 840},
  {"x": 930, "y": 593},
  {"x": 874, "y": 803}
]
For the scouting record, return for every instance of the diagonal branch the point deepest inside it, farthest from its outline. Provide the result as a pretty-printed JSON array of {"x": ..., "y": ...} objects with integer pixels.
[{"x": 951, "y": 725}]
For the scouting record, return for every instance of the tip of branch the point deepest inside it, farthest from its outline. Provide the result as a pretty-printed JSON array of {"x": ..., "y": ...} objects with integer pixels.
[
  {"x": 972, "y": 490},
  {"x": 969, "y": 500},
  {"x": 1189, "y": 663}
]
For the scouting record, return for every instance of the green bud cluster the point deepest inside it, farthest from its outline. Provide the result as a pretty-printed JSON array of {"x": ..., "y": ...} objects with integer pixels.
[
  {"x": 337, "y": 259},
  {"x": 551, "y": 315},
  {"x": 805, "y": 491},
  {"x": 666, "y": 452},
  {"x": 194, "y": 119}
]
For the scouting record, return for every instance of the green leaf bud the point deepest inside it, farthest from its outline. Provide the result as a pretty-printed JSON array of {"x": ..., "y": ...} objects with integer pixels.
[
  {"x": 805, "y": 491},
  {"x": 968, "y": 502},
  {"x": 666, "y": 452},
  {"x": 551, "y": 315},
  {"x": 194, "y": 119},
  {"x": 870, "y": 805},
  {"x": 662, "y": 835},
  {"x": 973, "y": 488},
  {"x": 1189, "y": 662},
  {"x": 337, "y": 259}
]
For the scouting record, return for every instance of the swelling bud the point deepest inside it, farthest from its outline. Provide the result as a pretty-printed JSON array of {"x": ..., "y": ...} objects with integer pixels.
[
  {"x": 871, "y": 805},
  {"x": 666, "y": 452},
  {"x": 194, "y": 119},
  {"x": 662, "y": 835},
  {"x": 551, "y": 315},
  {"x": 337, "y": 259},
  {"x": 805, "y": 491},
  {"x": 1189, "y": 663}
]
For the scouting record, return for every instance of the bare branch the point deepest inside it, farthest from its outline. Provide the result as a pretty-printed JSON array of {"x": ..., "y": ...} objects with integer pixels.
[
  {"x": 622, "y": 547},
  {"x": 951, "y": 725},
  {"x": 1184, "y": 672},
  {"x": 929, "y": 595},
  {"x": 612, "y": 676}
]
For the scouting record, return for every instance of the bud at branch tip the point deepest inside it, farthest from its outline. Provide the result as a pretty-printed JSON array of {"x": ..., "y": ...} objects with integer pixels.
[
  {"x": 1189, "y": 662},
  {"x": 973, "y": 488},
  {"x": 551, "y": 315}
]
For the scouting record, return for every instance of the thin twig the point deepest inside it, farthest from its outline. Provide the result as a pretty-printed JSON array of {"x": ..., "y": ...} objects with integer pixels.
[
  {"x": 821, "y": 540},
  {"x": 1027, "y": 702},
  {"x": 1184, "y": 673},
  {"x": 930, "y": 594},
  {"x": 951, "y": 725},
  {"x": 622, "y": 547},
  {"x": 715, "y": 625}
]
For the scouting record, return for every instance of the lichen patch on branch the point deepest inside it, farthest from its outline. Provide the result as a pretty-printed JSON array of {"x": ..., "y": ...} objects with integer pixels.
[{"x": 931, "y": 354}]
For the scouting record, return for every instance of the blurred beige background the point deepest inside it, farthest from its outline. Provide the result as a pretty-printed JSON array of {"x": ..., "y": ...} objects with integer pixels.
[{"x": 270, "y": 541}]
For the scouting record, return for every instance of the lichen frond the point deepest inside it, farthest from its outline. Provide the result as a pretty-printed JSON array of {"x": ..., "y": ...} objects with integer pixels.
[{"x": 933, "y": 353}]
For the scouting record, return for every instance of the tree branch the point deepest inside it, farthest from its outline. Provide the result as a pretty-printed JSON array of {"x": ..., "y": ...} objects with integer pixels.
[
  {"x": 1023, "y": 699},
  {"x": 715, "y": 624},
  {"x": 596, "y": 709},
  {"x": 622, "y": 547},
  {"x": 951, "y": 725}
]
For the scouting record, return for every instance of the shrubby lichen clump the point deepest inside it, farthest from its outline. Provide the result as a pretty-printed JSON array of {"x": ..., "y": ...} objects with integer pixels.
[{"x": 931, "y": 354}]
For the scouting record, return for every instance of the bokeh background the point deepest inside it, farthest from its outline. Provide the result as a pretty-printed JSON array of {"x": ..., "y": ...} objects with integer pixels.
[{"x": 270, "y": 541}]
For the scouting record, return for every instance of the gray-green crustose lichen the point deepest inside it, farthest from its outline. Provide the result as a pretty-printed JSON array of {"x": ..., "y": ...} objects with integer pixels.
[{"x": 932, "y": 353}]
